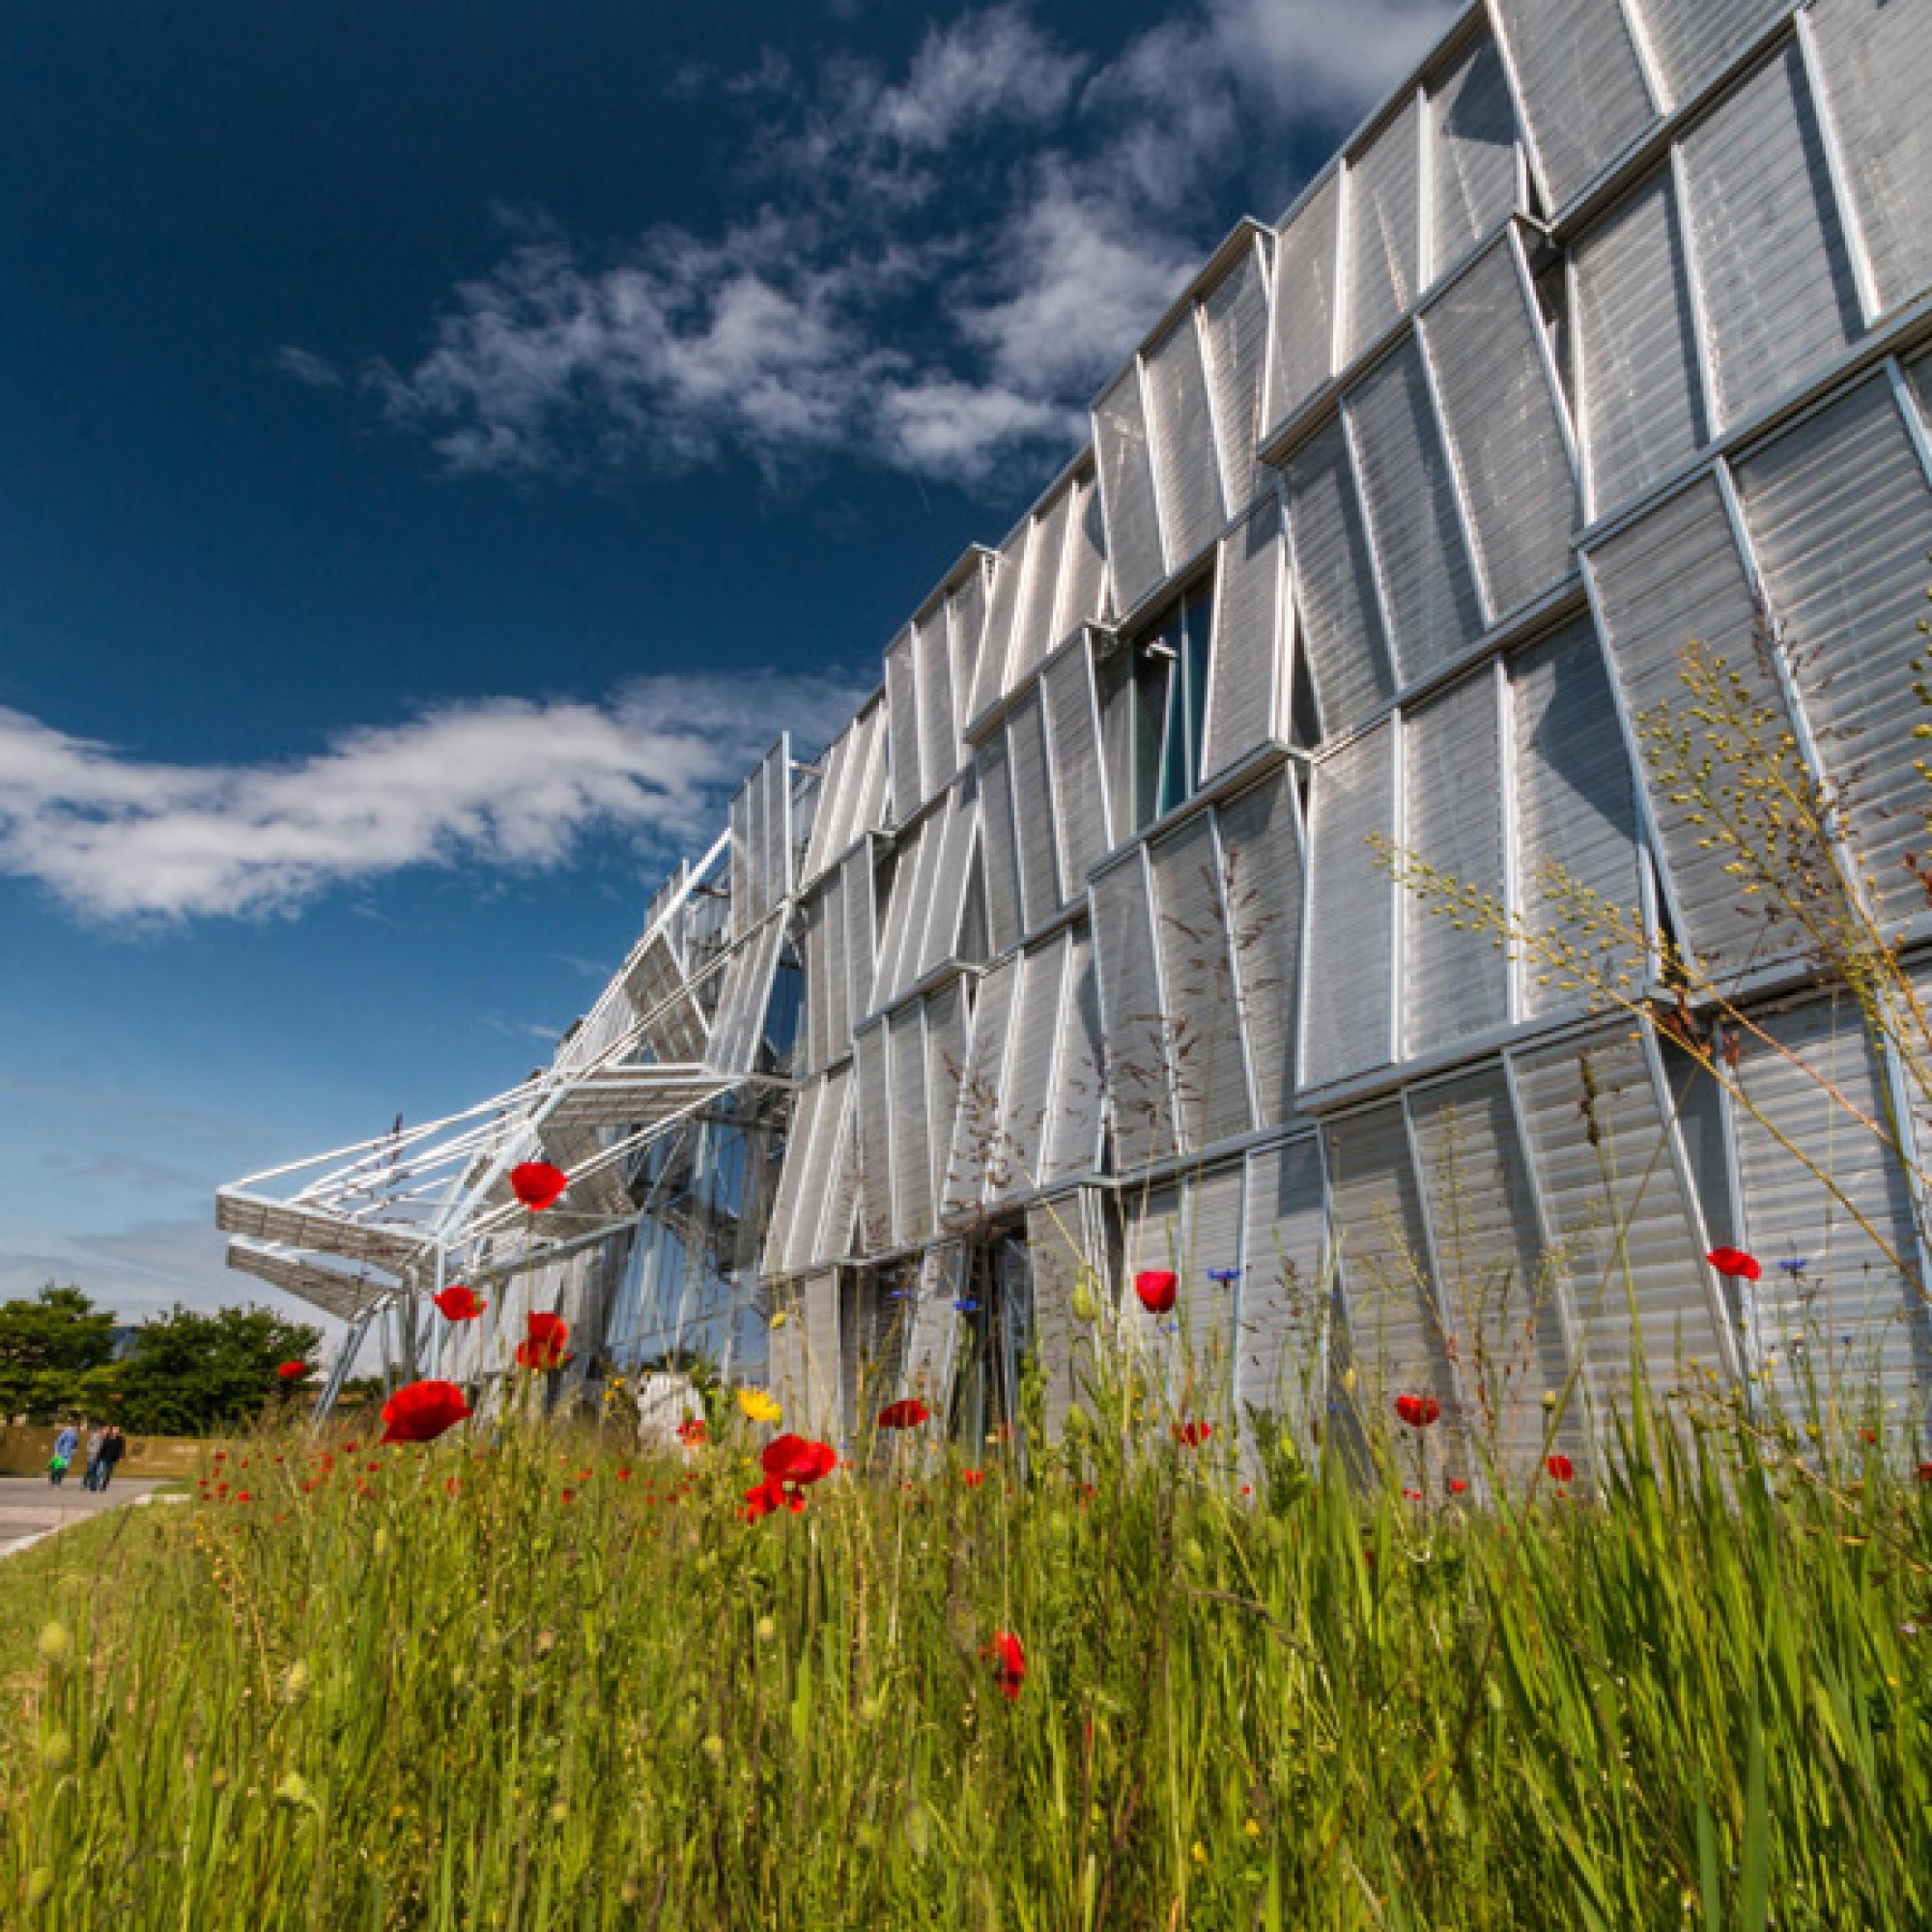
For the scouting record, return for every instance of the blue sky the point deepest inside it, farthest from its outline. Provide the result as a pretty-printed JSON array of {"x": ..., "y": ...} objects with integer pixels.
[{"x": 440, "y": 445}]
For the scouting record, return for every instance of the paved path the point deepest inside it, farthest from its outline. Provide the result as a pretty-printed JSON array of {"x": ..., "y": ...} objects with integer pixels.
[{"x": 31, "y": 1507}]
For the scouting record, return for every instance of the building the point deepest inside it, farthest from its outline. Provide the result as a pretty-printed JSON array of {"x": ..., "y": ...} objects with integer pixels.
[{"x": 1609, "y": 331}]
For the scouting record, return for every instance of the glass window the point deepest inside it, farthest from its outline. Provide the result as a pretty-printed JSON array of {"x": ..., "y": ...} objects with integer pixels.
[{"x": 1170, "y": 699}]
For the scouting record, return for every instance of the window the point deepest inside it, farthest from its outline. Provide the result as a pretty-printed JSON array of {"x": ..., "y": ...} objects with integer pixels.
[{"x": 1156, "y": 703}]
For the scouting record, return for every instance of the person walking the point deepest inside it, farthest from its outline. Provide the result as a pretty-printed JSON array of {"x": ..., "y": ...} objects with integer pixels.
[
  {"x": 113, "y": 1446},
  {"x": 65, "y": 1444},
  {"x": 90, "y": 1476}
]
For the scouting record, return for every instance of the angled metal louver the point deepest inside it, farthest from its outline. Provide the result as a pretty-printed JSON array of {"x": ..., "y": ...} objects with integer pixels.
[
  {"x": 1385, "y": 229},
  {"x": 938, "y": 733},
  {"x": 946, "y": 1052},
  {"x": 738, "y": 1029},
  {"x": 1033, "y": 814},
  {"x": 1455, "y": 976},
  {"x": 1205, "y": 1046},
  {"x": 965, "y": 629},
  {"x": 1083, "y": 584},
  {"x": 1416, "y": 531},
  {"x": 998, "y": 846},
  {"x": 1640, "y": 404},
  {"x": 1261, "y": 847},
  {"x": 932, "y": 1327},
  {"x": 1474, "y": 171},
  {"x": 673, "y": 1023},
  {"x": 858, "y": 883},
  {"x": 1345, "y": 1023},
  {"x": 912, "y": 1151},
  {"x": 1301, "y": 335},
  {"x": 1576, "y": 808},
  {"x": 836, "y": 1170},
  {"x": 784, "y": 1365},
  {"x": 1235, "y": 318},
  {"x": 1248, "y": 668},
  {"x": 341, "y": 1295},
  {"x": 1072, "y": 1142},
  {"x": 1035, "y": 625},
  {"x": 783, "y": 1246},
  {"x": 1582, "y": 86},
  {"x": 1079, "y": 791},
  {"x": 1210, "y": 1289},
  {"x": 902, "y": 917},
  {"x": 1002, "y": 606},
  {"x": 874, "y": 1146},
  {"x": 1693, "y": 38},
  {"x": 1767, "y": 244},
  {"x": 1840, "y": 514},
  {"x": 834, "y": 801},
  {"x": 902, "y": 728},
  {"x": 1877, "y": 62},
  {"x": 1133, "y": 1018},
  {"x": 1186, "y": 468},
  {"x": 294, "y": 1225},
  {"x": 1065, "y": 1239},
  {"x": 976, "y": 1122},
  {"x": 1504, "y": 428},
  {"x": 1282, "y": 1335},
  {"x": 823, "y": 1349},
  {"x": 1671, "y": 576},
  {"x": 1135, "y": 559},
  {"x": 952, "y": 870},
  {"x": 1027, "y": 1092},
  {"x": 1335, "y": 585}
]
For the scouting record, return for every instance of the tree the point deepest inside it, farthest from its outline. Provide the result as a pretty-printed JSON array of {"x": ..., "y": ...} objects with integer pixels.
[
  {"x": 193, "y": 1373},
  {"x": 55, "y": 1355}
]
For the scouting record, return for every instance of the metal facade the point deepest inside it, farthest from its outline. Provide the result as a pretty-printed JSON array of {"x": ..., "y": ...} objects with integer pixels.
[{"x": 1071, "y": 954}]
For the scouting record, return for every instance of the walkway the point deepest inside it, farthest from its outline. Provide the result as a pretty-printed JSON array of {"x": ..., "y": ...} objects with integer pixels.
[{"x": 31, "y": 1507}]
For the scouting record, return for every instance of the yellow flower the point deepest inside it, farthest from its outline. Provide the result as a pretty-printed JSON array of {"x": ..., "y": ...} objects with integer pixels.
[{"x": 758, "y": 1406}]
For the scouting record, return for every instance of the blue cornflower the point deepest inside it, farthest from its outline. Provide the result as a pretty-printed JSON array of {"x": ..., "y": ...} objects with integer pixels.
[
  {"x": 1223, "y": 1275},
  {"x": 965, "y": 1307},
  {"x": 1794, "y": 1266}
]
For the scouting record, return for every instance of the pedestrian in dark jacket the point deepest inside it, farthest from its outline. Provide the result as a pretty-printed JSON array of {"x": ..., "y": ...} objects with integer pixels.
[{"x": 113, "y": 1446}]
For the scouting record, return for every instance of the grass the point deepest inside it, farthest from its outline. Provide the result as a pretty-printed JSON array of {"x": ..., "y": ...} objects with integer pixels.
[{"x": 516, "y": 1686}]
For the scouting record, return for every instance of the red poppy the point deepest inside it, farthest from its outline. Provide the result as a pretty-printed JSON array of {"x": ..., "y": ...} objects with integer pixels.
[
  {"x": 549, "y": 1335},
  {"x": 1417, "y": 1410},
  {"x": 537, "y": 1185},
  {"x": 1867, "y": 1435},
  {"x": 773, "y": 1494},
  {"x": 1193, "y": 1434},
  {"x": 1735, "y": 1263},
  {"x": 242, "y": 1496},
  {"x": 570, "y": 1495},
  {"x": 457, "y": 1303},
  {"x": 422, "y": 1411},
  {"x": 1413, "y": 1495},
  {"x": 791, "y": 1459},
  {"x": 1562, "y": 1469},
  {"x": 623, "y": 1476},
  {"x": 907, "y": 1414},
  {"x": 972, "y": 1478},
  {"x": 1457, "y": 1486},
  {"x": 1157, "y": 1289},
  {"x": 1925, "y": 1473},
  {"x": 291, "y": 1371},
  {"x": 1010, "y": 1664},
  {"x": 691, "y": 1431}
]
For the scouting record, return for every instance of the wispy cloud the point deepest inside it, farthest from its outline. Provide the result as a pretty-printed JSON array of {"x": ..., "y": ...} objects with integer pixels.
[
  {"x": 934, "y": 269},
  {"x": 494, "y": 782}
]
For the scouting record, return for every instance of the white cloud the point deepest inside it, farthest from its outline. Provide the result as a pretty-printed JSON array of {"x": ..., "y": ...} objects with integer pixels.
[
  {"x": 312, "y": 371},
  {"x": 492, "y": 783},
  {"x": 935, "y": 269}
]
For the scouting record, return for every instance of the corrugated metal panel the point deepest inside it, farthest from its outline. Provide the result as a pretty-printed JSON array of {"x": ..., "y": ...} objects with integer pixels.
[
  {"x": 1395, "y": 1330},
  {"x": 1672, "y": 575},
  {"x": 782, "y": 1236},
  {"x": 1841, "y": 519},
  {"x": 1334, "y": 580},
  {"x": 1249, "y": 662},
  {"x": 1036, "y": 632},
  {"x": 965, "y": 626},
  {"x": 931, "y": 1327},
  {"x": 1835, "y": 1309},
  {"x": 1301, "y": 351},
  {"x": 674, "y": 1022},
  {"x": 1211, "y": 1299},
  {"x": 835, "y": 776},
  {"x": 785, "y": 1365},
  {"x": 912, "y": 1147},
  {"x": 997, "y": 845},
  {"x": 1009, "y": 576},
  {"x": 1059, "y": 1248},
  {"x": 902, "y": 725},
  {"x": 815, "y": 1133},
  {"x": 1621, "y": 1232},
  {"x": 1408, "y": 498},
  {"x": 1029, "y": 1083},
  {"x": 820, "y": 1299},
  {"x": 1920, "y": 374},
  {"x": 1080, "y": 795},
  {"x": 1073, "y": 1124},
  {"x": 1132, "y": 1021},
  {"x": 1352, "y": 915},
  {"x": 1576, "y": 806},
  {"x": 875, "y": 1159},
  {"x": 781, "y": 860},
  {"x": 949, "y": 875},
  {"x": 1260, "y": 844},
  {"x": 1384, "y": 230},
  {"x": 1083, "y": 584},
  {"x": 838, "y": 1125},
  {"x": 1135, "y": 559},
  {"x": 738, "y": 1032},
  {"x": 976, "y": 1125},
  {"x": 945, "y": 1048},
  {"x": 902, "y": 906},
  {"x": 1473, "y": 158},
  {"x": 938, "y": 735},
  {"x": 740, "y": 818},
  {"x": 1285, "y": 1289},
  {"x": 1504, "y": 429},
  {"x": 1877, "y": 58},
  {"x": 925, "y": 873},
  {"x": 1455, "y": 978},
  {"x": 1210, "y": 1076},
  {"x": 1235, "y": 317},
  {"x": 817, "y": 986},
  {"x": 874, "y": 797},
  {"x": 1693, "y": 38},
  {"x": 1496, "y": 1292},
  {"x": 1770, "y": 252},
  {"x": 1583, "y": 89},
  {"x": 1187, "y": 472},
  {"x": 858, "y": 883},
  {"x": 1641, "y": 406},
  {"x": 1034, "y": 810}
]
